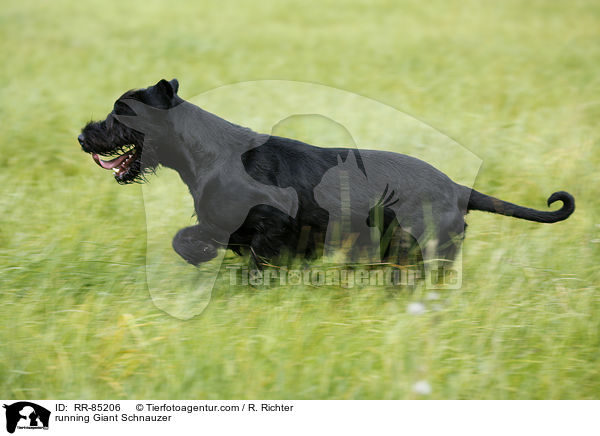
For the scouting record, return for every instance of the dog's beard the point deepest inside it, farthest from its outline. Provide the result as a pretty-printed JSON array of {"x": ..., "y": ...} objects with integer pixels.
[{"x": 128, "y": 159}]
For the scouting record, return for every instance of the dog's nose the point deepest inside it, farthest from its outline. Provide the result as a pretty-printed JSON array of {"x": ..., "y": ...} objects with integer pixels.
[{"x": 80, "y": 138}]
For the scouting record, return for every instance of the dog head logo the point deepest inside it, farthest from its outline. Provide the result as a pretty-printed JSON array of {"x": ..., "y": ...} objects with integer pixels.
[{"x": 26, "y": 415}]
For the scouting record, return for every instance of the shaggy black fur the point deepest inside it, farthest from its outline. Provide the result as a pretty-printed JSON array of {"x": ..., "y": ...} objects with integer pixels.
[{"x": 289, "y": 206}]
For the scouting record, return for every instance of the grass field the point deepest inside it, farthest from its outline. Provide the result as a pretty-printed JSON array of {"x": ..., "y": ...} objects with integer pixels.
[{"x": 517, "y": 83}]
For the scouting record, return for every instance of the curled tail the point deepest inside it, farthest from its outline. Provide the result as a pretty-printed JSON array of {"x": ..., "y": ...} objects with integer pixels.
[{"x": 479, "y": 201}]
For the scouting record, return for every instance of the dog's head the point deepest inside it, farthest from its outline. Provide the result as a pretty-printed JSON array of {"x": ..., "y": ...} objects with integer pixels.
[{"x": 121, "y": 143}]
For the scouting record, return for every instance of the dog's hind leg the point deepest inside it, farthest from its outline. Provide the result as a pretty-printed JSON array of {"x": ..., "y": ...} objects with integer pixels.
[
  {"x": 450, "y": 236},
  {"x": 442, "y": 250},
  {"x": 194, "y": 245}
]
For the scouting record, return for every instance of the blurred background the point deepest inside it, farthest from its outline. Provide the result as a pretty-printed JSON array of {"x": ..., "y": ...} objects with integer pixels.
[{"x": 515, "y": 82}]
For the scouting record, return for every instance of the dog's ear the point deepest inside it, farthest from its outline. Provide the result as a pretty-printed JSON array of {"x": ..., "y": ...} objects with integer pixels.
[
  {"x": 175, "y": 85},
  {"x": 168, "y": 88}
]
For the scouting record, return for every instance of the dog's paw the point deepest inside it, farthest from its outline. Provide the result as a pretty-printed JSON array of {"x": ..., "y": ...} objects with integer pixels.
[
  {"x": 192, "y": 250},
  {"x": 196, "y": 253}
]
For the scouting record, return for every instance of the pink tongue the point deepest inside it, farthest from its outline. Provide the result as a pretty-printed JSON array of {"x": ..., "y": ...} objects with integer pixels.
[{"x": 109, "y": 164}]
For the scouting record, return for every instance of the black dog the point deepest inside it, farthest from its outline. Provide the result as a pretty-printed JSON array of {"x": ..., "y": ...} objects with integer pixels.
[{"x": 268, "y": 196}]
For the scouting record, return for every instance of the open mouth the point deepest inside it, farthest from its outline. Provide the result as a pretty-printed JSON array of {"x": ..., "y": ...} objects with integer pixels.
[{"x": 121, "y": 164}]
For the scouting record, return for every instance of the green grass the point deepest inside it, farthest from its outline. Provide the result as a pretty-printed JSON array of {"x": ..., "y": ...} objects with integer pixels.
[{"x": 515, "y": 82}]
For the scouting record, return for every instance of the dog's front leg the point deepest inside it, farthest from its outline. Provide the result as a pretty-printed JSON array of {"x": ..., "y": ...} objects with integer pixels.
[{"x": 195, "y": 245}]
